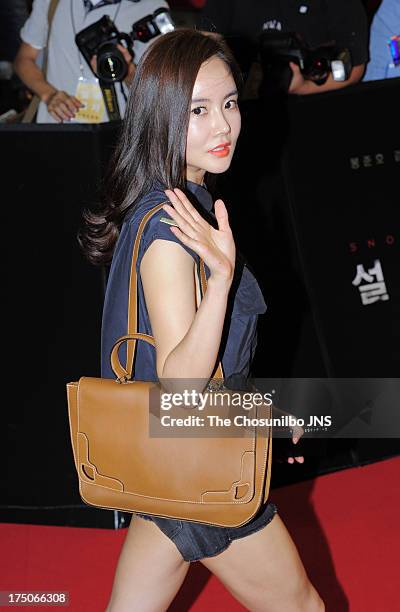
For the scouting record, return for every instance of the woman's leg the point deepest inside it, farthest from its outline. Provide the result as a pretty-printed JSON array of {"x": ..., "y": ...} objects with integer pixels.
[
  {"x": 150, "y": 570},
  {"x": 264, "y": 572}
]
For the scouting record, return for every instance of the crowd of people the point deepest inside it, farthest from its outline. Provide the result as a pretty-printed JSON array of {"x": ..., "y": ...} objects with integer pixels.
[{"x": 50, "y": 65}]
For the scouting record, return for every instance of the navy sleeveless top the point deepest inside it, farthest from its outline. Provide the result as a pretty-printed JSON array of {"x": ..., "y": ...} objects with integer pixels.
[{"x": 245, "y": 300}]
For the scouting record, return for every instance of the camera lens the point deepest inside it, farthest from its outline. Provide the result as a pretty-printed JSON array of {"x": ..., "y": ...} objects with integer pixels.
[
  {"x": 111, "y": 65},
  {"x": 318, "y": 68}
]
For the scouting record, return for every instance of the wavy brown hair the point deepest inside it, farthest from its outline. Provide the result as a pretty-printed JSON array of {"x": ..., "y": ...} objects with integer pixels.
[{"x": 152, "y": 144}]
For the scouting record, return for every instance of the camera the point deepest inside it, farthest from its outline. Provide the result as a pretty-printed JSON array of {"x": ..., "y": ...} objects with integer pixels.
[
  {"x": 101, "y": 39},
  {"x": 277, "y": 49},
  {"x": 160, "y": 22}
]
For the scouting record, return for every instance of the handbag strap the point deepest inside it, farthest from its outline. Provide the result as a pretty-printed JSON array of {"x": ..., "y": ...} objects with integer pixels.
[
  {"x": 34, "y": 103},
  {"x": 133, "y": 301}
]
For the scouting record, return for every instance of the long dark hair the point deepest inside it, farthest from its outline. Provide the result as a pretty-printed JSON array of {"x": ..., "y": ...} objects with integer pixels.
[{"x": 152, "y": 145}]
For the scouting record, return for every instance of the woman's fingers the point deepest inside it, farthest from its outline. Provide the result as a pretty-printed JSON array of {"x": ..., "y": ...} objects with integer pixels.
[
  {"x": 187, "y": 240},
  {"x": 198, "y": 246},
  {"x": 184, "y": 225},
  {"x": 298, "y": 459},
  {"x": 215, "y": 247},
  {"x": 183, "y": 200},
  {"x": 177, "y": 200},
  {"x": 222, "y": 216},
  {"x": 186, "y": 208},
  {"x": 181, "y": 205},
  {"x": 298, "y": 431}
]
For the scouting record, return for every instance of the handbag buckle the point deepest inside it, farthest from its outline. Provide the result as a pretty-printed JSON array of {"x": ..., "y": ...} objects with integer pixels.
[
  {"x": 122, "y": 379},
  {"x": 215, "y": 384}
]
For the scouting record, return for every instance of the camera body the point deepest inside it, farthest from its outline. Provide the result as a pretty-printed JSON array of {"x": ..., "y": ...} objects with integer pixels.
[
  {"x": 101, "y": 39},
  {"x": 277, "y": 49}
]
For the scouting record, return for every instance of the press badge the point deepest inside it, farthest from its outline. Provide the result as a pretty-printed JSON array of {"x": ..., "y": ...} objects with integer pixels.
[{"x": 89, "y": 93}]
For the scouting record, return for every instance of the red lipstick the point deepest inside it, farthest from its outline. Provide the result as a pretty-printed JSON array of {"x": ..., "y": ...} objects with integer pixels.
[{"x": 221, "y": 150}]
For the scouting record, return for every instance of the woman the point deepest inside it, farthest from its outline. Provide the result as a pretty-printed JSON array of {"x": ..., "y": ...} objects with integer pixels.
[{"x": 181, "y": 126}]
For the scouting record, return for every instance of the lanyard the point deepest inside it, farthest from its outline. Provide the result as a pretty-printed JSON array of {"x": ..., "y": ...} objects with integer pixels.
[{"x": 73, "y": 23}]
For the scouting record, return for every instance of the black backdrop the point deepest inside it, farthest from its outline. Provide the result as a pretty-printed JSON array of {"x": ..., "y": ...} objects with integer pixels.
[
  {"x": 52, "y": 315},
  {"x": 342, "y": 182},
  {"x": 305, "y": 224},
  {"x": 341, "y": 171}
]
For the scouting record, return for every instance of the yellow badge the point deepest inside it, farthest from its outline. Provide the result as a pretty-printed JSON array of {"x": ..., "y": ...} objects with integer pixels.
[{"x": 89, "y": 93}]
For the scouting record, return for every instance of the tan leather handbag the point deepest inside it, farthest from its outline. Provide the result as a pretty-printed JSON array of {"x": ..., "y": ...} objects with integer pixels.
[{"x": 213, "y": 479}]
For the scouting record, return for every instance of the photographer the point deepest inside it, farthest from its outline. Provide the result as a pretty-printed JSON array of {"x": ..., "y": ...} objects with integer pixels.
[
  {"x": 384, "y": 43},
  {"x": 319, "y": 22},
  {"x": 68, "y": 76}
]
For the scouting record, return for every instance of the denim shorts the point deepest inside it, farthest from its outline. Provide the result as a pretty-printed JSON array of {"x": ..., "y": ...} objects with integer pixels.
[{"x": 196, "y": 540}]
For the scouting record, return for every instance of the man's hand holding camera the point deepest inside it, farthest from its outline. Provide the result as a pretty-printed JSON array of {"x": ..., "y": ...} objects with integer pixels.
[
  {"x": 303, "y": 86},
  {"x": 63, "y": 107},
  {"x": 131, "y": 66}
]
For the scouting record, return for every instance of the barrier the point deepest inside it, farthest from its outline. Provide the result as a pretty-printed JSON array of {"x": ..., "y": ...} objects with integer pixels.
[{"x": 53, "y": 304}]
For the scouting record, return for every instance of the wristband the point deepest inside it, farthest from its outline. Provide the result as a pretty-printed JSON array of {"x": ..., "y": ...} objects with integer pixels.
[{"x": 51, "y": 96}]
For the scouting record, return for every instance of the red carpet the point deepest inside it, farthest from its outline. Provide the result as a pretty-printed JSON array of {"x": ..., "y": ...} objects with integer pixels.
[{"x": 345, "y": 526}]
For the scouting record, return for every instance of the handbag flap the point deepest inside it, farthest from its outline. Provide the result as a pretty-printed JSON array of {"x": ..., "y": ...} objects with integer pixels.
[{"x": 146, "y": 465}]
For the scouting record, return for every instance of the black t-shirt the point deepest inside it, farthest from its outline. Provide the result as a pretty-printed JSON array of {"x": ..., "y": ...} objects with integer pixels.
[{"x": 318, "y": 21}]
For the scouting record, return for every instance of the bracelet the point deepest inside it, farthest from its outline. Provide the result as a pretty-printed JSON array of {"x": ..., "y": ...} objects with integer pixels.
[{"x": 49, "y": 99}]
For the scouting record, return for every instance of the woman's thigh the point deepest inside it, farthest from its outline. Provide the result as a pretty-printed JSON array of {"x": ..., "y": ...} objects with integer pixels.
[
  {"x": 264, "y": 572},
  {"x": 150, "y": 570}
]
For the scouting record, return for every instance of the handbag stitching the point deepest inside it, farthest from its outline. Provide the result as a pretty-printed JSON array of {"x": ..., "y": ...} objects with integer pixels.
[
  {"x": 120, "y": 507},
  {"x": 234, "y": 502}
]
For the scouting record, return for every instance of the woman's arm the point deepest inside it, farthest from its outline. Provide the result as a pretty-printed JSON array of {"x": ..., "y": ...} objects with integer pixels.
[{"x": 187, "y": 340}]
